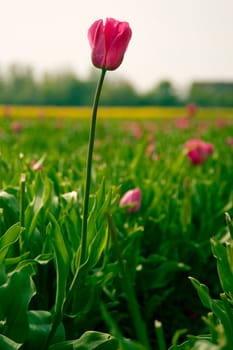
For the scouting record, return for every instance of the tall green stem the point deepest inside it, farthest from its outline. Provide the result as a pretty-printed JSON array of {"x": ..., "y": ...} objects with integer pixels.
[
  {"x": 22, "y": 208},
  {"x": 83, "y": 243},
  {"x": 88, "y": 167}
]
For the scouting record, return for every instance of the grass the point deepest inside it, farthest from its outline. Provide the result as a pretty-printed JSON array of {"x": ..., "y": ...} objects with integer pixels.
[{"x": 149, "y": 254}]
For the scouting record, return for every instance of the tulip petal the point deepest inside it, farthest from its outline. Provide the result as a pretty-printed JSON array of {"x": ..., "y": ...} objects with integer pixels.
[
  {"x": 97, "y": 43},
  {"x": 116, "y": 51}
]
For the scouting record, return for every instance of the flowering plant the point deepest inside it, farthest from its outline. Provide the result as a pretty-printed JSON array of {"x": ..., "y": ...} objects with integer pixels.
[
  {"x": 198, "y": 150},
  {"x": 109, "y": 42}
]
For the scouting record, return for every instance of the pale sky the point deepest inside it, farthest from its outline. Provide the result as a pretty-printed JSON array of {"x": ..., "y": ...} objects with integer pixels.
[{"x": 179, "y": 40}]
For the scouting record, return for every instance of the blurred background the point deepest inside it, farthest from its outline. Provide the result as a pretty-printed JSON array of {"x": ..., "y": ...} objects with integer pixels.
[{"x": 181, "y": 51}]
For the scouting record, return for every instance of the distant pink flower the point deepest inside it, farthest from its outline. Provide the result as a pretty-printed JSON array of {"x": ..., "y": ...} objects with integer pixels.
[
  {"x": 155, "y": 156},
  {"x": 138, "y": 131},
  {"x": 229, "y": 141},
  {"x": 135, "y": 128},
  {"x": 37, "y": 166},
  {"x": 150, "y": 149},
  {"x": 198, "y": 151},
  {"x": 182, "y": 123},
  {"x": 221, "y": 123},
  {"x": 131, "y": 200},
  {"x": 16, "y": 127},
  {"x": 191, "y": 109}
]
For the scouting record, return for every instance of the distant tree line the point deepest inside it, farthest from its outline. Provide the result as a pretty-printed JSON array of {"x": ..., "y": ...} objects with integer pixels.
[{"x": 19, "y": 86}]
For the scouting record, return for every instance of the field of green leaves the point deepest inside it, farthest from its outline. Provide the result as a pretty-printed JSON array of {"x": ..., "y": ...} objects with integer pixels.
[{"x": 157, "y": 277}]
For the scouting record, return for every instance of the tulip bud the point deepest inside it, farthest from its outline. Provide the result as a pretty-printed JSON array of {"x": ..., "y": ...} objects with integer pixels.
[
  {"x": 191, "y": 109},
  {"x": 198, "y": 150},
  {"x": 108, "y": 42},
  {"x": 132, "y": 200}
]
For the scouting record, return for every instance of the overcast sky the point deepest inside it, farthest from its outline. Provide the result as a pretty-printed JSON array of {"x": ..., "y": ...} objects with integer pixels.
[{"x": 179, "y": 40}]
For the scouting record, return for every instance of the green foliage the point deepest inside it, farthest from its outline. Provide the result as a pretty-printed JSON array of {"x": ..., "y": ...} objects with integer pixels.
[
  {"x": 220, "y": 318},
  {"x": 144, "y": 267},
  {"x": 19, "y": 86}
]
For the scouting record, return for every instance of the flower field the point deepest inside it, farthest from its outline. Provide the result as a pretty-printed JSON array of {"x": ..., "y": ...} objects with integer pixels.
[{"x": 159, "y": 267}]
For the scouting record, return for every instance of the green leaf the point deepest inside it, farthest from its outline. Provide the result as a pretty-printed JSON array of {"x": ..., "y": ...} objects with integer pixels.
[
  {"x": 224, "y": 313},
  {"x": 15, "y": 296},
  {"x": 9, "y": 202},
  {"x": 42, "y": 196},
  {"x": 200, "y": 342},
  {"x": 62, "y": 265},
  {"x": 90, "y": 340},
  {"x": 224, "y": 269},
  {"x": 203, "y": 293},
  {"x": 97, "y": 226},
  {"x": 40, "y": 325},
  {"x": 229, "y": 223},
  {"x": 10, "y": 209},
  {"x": 9, "y": 238},
  {"x": 8, "y": 344},
  {"x": 127, "y": 344}
]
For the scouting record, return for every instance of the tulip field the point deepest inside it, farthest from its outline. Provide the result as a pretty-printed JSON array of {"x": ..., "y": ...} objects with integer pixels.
[{"x": 158, "y": 269}]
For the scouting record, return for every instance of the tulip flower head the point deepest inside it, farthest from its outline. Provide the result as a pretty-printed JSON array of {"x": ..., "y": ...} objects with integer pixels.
[
  {"x": 131, "y": 200},
  {"x": 37, "y": 166},
  {"x": 108, "y": 42},
  {"x": 191, "y": 109},
  {"x": 229, "y": 141},
  {"x": 198, "y": 151},
  {"x": 16, "y": 127}
]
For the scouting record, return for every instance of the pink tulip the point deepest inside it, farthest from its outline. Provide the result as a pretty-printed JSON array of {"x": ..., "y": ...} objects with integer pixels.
[
  {"x": 182, "y": 123},
  {"x": 198, "y": 151},
  {"x": 191, "y": 109},
  {"x": 16, "y": 127},
  {"x": 132, "y": 200},
  {"x": 150, "y": 149},
  {"x": 229, "y": 141},
  {"x": 221, "y": 123},
  {"x": 108, "y": 42},
  {"x": 36, "y": 165}
]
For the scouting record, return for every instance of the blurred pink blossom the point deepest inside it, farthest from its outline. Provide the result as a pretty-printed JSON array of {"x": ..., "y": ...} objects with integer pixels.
[
  {"x": 16, "y": 127},
  {"x": 182, "y": 123},
  {"x": 229, "y": 141},
  {"x": 198, "y": 150},
  {"x": 135, "y": 128},
  {"x": 131, "y": 200},
  {"x": 150, "y": 149},
  {"x": 37, "y": 166},
  {"x": 221, "y": 123},
  {"x": 155, "y": 156},
  {"x": 138, "y": 131},
  {"x": 191, "y": 109}
]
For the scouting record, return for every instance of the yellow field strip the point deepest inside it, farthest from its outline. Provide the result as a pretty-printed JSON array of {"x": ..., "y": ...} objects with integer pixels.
[{"x": 18, "y": 112}]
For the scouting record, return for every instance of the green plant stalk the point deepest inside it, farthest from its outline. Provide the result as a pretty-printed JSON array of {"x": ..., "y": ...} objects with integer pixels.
[
  {"x": 160, "y": 335},
  {"x": 83, "y": 243},
  {"x": 88, "y": 167},
  {"x": 138, "y": 323},
  {"x": 22, "y": 207}
]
